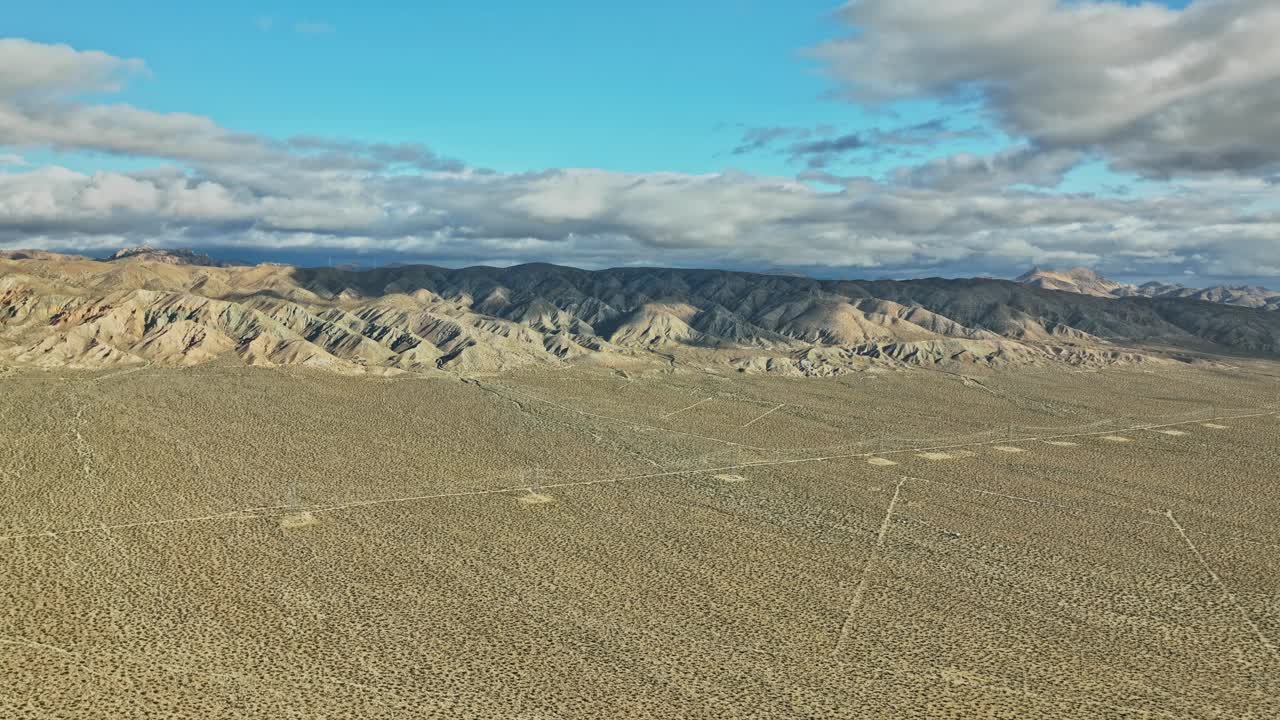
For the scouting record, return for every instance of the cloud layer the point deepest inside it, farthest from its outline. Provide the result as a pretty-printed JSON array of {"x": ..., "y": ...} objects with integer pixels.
[{"x": 215, "y": 187}]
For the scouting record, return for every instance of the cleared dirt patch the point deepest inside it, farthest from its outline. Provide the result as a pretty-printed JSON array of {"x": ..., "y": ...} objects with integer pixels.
[
  {"x": 1008, "y": 449},
  {"x": 1175, "y": 433},
  {"x": 536, "y": 498},
  {"x": 1216, "y": 426},
  {"x": 730, "y": 478},
  {"x": 936, "y": 456},
  {"x": 882, "y": 462},
  {"x": 292, "y": 521},
  {"x": 1117, "y": 439},
  {"x": 1062, "y": 443}
]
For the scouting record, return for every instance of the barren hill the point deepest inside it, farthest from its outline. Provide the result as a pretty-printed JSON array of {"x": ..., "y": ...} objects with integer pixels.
[
  {"x": 1077, "y": 280},
  {"x": 69, "y": 311}
]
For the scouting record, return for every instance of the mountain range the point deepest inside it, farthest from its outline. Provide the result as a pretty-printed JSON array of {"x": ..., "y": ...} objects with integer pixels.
[
  {"x": 1087, "y": 282},
  {"x": 181, "y": 308}
]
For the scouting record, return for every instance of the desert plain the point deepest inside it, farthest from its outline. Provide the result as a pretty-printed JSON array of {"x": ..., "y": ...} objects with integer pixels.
[{"x": 221, "y": 541}]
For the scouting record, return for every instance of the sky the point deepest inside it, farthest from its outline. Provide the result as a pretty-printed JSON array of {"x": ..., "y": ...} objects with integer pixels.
[{"x": 875, "y": 138}]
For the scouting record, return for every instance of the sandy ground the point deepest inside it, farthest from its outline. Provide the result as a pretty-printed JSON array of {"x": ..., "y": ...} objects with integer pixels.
[{"x": 223, "y": 542}]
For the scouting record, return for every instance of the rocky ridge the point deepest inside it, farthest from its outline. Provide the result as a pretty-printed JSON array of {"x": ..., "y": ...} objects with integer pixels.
[{"x": 69, "y": 311}]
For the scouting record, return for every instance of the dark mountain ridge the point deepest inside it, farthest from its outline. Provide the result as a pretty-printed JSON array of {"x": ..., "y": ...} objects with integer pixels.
[{"x": 999, "y": 306}]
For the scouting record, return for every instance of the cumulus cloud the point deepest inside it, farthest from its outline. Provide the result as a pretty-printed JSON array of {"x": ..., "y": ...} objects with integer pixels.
[
  {"x": 592, "y": 217},
  {"x": 1163, "y": 92}
]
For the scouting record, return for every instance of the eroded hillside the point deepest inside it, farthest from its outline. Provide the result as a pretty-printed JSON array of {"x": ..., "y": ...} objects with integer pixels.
[{"x": 69, "y": 311}]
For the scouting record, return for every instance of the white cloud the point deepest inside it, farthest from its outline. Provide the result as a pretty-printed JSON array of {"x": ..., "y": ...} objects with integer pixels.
[
  {"x": 592, "y": 217},
  {"x": 34, "y": 71},
  {"x": 38, "y": 109},
  {"x": 1161, "y": 91}
]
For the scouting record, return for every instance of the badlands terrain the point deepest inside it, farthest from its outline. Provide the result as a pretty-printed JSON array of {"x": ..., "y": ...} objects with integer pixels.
[
  {"x": 173, "y": 308},
  {"x": 264, "y": 492}
]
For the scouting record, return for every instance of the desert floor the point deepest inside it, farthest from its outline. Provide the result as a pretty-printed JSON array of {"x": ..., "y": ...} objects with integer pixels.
[{"x": 222, "y": 542}]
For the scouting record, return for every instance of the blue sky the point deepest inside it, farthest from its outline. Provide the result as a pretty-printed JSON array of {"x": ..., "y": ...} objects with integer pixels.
[
  {"x": 882, "y": 137},
  {"x": 636, "y": 87}
]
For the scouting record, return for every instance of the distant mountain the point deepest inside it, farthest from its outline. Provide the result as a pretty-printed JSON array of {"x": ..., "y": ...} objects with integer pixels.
[
  {"x": 1242, "y": 295},
  {"x": 1077, "y": 280},
  {"x": 1084, "y": 281},
  {"x": 64, "y": 311},
  {"x": 146, "y": 253}
]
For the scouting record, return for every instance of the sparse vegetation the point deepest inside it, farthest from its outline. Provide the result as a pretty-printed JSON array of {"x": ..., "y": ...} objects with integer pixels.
[{"x": 222, "y": 541}]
